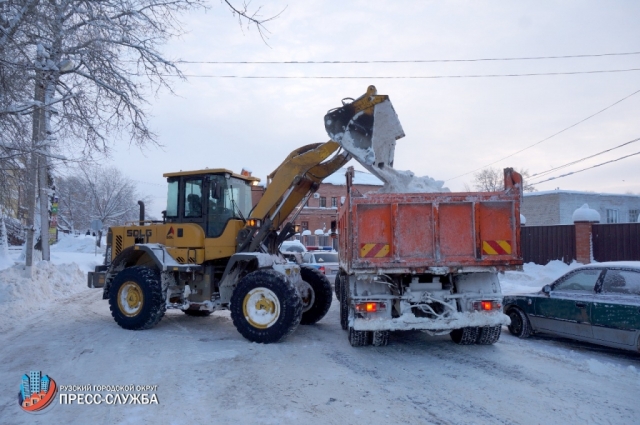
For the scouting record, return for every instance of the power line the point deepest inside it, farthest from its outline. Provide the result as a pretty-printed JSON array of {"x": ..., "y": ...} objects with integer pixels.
[
  {"x": 588, "y": 168},
  {"x": 405, "y": 61},
  {"x": 416, "y": 77},
  {"x": 582, "y": 159},
  {"x": 547, "y": 138}
]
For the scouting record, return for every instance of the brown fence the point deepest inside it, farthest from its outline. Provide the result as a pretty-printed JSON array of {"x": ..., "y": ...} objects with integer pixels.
[
  {"x": 541, "y": 244},
  {"x": 616, "y": 242}
]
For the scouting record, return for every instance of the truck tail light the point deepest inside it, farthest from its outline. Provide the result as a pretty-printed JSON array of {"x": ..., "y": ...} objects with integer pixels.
[
  {"x": 487, "y": 305},
  {"x": 370, "y": 307}
]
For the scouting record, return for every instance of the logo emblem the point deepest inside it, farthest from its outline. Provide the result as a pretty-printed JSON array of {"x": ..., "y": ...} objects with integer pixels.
[
  {"x": 170, "y": 233},
  {"x": 37, "y": 391}
]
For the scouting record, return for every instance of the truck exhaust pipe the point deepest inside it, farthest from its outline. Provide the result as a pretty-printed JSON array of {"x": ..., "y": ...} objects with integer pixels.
[{"x": 141, "y": 212}]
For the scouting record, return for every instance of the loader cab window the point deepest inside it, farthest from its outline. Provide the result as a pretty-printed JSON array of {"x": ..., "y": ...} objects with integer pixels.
[
  {"x": 172, "y": 198},
  {"x": 193, "y": 198},
  {"x": 228, "y": 198}
]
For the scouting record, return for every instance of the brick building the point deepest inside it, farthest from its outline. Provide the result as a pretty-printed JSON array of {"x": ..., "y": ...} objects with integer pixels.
[
  {"x": 557, "y": 207},
  {"x": 322, "y": 207}
]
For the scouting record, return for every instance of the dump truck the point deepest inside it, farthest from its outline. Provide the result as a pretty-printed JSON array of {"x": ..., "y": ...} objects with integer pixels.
[{"x": 415, "y": 256}]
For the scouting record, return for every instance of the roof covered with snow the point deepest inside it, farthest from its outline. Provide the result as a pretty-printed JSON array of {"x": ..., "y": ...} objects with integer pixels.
[
  {"x": 576, "y": 192},
  {"x": 359, "y": 177}
]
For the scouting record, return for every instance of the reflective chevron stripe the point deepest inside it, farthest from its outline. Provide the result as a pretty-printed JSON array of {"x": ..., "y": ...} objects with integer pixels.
[
  {"x": 374, "y": 250},
  {"x": 496, "y": 247}
]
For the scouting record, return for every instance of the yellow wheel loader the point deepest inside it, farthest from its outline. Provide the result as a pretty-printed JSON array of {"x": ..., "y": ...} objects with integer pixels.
[{"x": 213, "y": 251}]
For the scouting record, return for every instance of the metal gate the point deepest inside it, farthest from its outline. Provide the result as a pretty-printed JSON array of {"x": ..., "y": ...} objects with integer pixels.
[
  {"x": 616, "y": 242},
  {"x": 541, "y": 244}
]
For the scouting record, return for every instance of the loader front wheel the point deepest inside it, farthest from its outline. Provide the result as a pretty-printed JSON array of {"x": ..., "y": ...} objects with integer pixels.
[
  {"x": 316, "y": 303},
  {"x": 135, "y": 298},
  {"x": 265, "y": 307}
]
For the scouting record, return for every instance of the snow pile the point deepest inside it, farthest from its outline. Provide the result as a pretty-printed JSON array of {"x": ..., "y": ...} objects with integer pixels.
[
  {"x": 21, "y": 296},
  {"x": 83, "y": 243},
  {"x": 533, "y": 277},
  {"x": 397, "y": 181},
  {"x": 584, "y": 213}
]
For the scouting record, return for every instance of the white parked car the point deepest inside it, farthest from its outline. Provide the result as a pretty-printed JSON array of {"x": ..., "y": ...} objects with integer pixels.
[{"x": 325, "y": 261}]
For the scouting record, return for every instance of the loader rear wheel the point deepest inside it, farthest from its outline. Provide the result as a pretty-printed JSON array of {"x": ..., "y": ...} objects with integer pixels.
[
  {"x": 380, "y": 338},
  {"x": 464, "y": 336},
  {"x": 316, "y": 304},
  {"x": 344, "y": 306},
  {"x": 197, "y": 313},
  {"x": 359, "y": 338},
  {"x": 135, "y": 298},
  {"x": 488, "y": 335},
  {"x": 265, "y": 307}
]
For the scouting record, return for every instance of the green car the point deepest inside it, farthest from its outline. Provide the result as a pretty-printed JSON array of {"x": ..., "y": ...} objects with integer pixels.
[{"x": 598, "y": 303}]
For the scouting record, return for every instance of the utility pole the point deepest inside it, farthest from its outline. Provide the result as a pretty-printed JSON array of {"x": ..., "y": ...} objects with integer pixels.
[{"x": 37, "y": 166}]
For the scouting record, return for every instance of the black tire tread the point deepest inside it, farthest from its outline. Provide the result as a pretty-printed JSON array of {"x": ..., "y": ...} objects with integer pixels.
[
  {"x": 154, "y": 300},
  {"x": 344, "y": 305},
  {"x": 464, "y": 336},
  {"x": 522, "y": 327},
  {"x": 359, "y": 338},
  {"x": 489, "y": 335},
  {"x": 380, "y": 338},
  {"x": 290, "y": 306},
  {"x": 323, "y": 295}
]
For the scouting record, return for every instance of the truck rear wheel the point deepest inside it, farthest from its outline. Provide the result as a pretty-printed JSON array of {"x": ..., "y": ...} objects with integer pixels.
[
  {"x": 344, "y": 306},
  {"x": 316, "y": 304},
  {"x": 380, "y": 338},
  {"x": 338, "y": 284},
  {"x": 135, "y": 298},
  {"x": 359, "y": 338},
  {"x": 265, "y": 307},
  {"x": 464, "y": 336},
  {"x": 488, "y": 335}
]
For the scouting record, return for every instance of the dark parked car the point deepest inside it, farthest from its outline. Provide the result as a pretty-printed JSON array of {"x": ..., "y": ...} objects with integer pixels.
[{"x": 598, "y": 303}]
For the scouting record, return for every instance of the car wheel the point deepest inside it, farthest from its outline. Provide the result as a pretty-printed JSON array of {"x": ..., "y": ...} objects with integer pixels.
[{"x": 520, "y": 325}]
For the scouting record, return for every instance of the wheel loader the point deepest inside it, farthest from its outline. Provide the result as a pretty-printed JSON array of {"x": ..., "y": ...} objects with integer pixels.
[{"x": 213, "y": 250}]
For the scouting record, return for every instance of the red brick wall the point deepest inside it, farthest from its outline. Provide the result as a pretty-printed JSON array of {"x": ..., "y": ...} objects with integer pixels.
[{"x": 583, "y": 242}]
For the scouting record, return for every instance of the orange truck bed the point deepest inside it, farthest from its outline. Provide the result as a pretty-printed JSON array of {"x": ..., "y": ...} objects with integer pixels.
[{"x": 413, "y": 233}]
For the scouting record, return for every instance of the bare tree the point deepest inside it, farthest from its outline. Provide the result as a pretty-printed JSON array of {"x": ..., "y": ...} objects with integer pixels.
[
  {"x": 84, "y": 70},
  {"x": 96, "y": 193},
  {"x": 492, "y": 180}
]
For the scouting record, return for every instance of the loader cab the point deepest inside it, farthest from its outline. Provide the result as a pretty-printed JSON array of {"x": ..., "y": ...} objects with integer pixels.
[{"x": 208, "y": 198}]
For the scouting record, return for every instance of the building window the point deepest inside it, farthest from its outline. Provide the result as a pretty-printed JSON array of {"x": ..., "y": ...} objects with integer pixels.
[
  {"x": 305, "y": 225},
  {"x": 323, "y": 202},
  {"x": 612, "y": 216},
  {"x": 334, "y": 202},
  {"x": 633, "y": 215}
]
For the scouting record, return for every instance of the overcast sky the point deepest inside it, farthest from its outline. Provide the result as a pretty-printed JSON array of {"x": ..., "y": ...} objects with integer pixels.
[{"x": 452, "y": 125}]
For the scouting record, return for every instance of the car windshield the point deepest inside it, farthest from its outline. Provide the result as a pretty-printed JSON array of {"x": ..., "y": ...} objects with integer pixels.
[
  {"x": 292, "y": 248},
  {"x": 326, "y": 258}
]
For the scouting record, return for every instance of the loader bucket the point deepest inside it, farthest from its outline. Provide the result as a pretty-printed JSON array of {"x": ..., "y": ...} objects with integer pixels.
[{"x": 367, "y": 128}]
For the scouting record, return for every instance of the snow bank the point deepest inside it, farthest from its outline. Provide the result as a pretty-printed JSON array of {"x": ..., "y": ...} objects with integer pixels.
[
  {"x": 533, "y": 277},
  {"x": 69, "y": 243},
  {"x": 21, "y": 296},
  {"x": 584, "y": 213}
]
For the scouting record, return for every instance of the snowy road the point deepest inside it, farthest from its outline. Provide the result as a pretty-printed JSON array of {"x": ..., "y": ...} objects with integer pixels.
[{"x": 207, "y": 373}]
